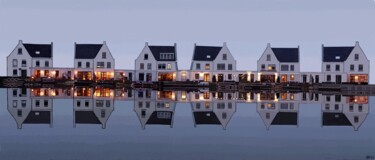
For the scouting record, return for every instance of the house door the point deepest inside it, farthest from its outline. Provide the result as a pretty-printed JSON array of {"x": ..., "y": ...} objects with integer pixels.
[
  {"x": 252, "y": 77},
  {"x": 24, "y": 73},
  {"x": 338, "y": 79},
  {"x": 130, "y": 76},
  {"x": 316, "y": 79},
  {"x": 220, "y": 78},
  {"x": 206, "y": 77},
  {"x": 304, "y": 78},
  {"x": 148, "y": 77}
]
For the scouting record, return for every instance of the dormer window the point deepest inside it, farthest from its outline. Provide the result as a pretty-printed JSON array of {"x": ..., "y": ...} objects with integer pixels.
[
  {"x": 167, "y": 56},
  {"x": 19, "y": 50},
  {"x": 224, "y": 56},
  {"x": 37, "y": 52},
  {"x": 208, "y": 56},
  {"x": 104, "y": 55},
  {"x": 145, "y": 57},
  {"x": 337, "y": 57}
]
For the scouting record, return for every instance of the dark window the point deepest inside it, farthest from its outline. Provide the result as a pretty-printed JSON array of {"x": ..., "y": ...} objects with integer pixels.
[
  {"x": 360, "y": 67},
  {"x": 221, "y": 66},
  {"x": 230, "y": 67},
  {"x": 351, "y": 108},
  {"x": 86, "y": 103},
  {"x": 79, "y": 64},
  {"x": 160, "y": 66},
  {"x": 329, "y": 78},
  {"x": 141, "y": 76},
  {"x": 37, "y": 63},
  {"x": 78, "y": 103},
  {"x": 291, "y": 67},
  {"x": 149, "y": 66},
  {"x": 284, "y": 67},
  {"x": 328, "y": 98},
  {"x": 336, "y": 107},
  {"x": 88, "y": 65},
  {"x": 352, "y": 67},
  {"x": 15, "y": 72},
  {"x": 328, "y": 67},
  {"x": 268, "y": 57},
  {"x": 109, "y": 65},
  {"x": 104, "y": 55},
  {"x": 356, "y": 57},
  {"x": 99, "y": 64},
  {"x": 46, "y": 63},
  {"x": 37, "y": 103},
  {"x": 19, "y": 113},
  {"x": 263, "y": 67},
  {"x": 224, "y": 56},
  {"x": 356, "y": 119},
  {"x": 338, "y": 98},
  {"x": 14, "y": 92},
  {"x": 198, "y": 66},
  {"x": 337, "y": 67},
  {"x": 360, "y": 108},
  {"x": 229, "y": 76},
  {"x": 102, "y": 113},
  {"x": 23, "y": 63},
  {"x": 19, "y": 50},
  {"x": 145, "y": 57},
  {"x": 45, "y": 103},
  {"x": 142, "y": 66}
]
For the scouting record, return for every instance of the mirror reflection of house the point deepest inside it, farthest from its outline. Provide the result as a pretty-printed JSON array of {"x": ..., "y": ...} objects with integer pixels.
[
  {"x": 278, "y": 108},
  {"x": 93, "y": 105},
  {"x": 216, "y": 108},
  {"x": 29, "y": 110},
  {"x": 155, "y": 107},
  {"x": 338, "y": 110}
]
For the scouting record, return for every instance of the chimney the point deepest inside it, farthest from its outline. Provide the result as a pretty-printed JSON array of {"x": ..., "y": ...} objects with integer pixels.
[
  {"x": 225, "y": 44},
  {"x": 356, "y": 43},
  {"x": 20, "y": 41},
  {"x": 146, "y": 43},
  {"x": 104, "y": 42},
  {"x": 268, "y": 44}
]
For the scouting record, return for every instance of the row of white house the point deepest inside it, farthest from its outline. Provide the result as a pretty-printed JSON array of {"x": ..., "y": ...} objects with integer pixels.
[
  {"x": 95, "y": 106},
  {"x": 209, "y": 63}
]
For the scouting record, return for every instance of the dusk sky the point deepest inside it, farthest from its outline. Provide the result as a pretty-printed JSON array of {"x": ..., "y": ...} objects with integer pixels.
[{"x": 246, "y": 25}]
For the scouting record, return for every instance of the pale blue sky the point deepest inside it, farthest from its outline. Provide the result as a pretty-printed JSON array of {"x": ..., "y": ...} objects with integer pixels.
[{"x": 246, "y": 25}]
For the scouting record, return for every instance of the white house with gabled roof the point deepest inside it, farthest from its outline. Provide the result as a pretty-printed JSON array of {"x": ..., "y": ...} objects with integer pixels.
[
  {"x": 279, "y": 64},
  {"x": 156, "y": 63},
  {"x": 345, "y": 64},
  {"x": 93, "y": 62},
  {"x": 27, "y": 55},
  {"x": 213, "y": 63}
]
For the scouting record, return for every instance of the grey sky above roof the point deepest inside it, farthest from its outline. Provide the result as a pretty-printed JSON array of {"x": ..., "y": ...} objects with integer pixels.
[
  {"x": 246, "y": 39},
  {"x": 336, "y": 54},
  {"x": 206, "y": 53},
  {"x": 87, "y": 51},
  {"x": 287, "y": 54},
  {"x": 157, "y": 50},
  {"x": 39, "y": 50}
]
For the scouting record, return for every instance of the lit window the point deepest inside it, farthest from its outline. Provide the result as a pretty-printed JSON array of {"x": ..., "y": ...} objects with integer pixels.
[
  {"x": 207, "y": 66},
  {"x": 169, "y": 66}
]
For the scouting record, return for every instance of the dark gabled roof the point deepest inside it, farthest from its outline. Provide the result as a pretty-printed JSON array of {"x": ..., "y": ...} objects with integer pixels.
[
  {"x": 87, "y": 51},
  {"x": 156, "y": 50},
  {"x": 86, "y": 117},
  {"x": 206, "y": 118},
  {"x": 160, "y": 117},
  {"x": 206, "y": 53},
  {"x": 45, "y": 50},
  {"x": 335, "y": 119},
  {"x": 290, "y": 55},
  {"x": 38, "y": 117},
  {"x": 336, "y": 54},
  {"x": 285, "y": 118}
]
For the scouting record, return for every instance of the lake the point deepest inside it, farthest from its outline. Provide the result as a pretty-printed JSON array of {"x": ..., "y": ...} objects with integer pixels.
[{"x": 103, "y": 123}]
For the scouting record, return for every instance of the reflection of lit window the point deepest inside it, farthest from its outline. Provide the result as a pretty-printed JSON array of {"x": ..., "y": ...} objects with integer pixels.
[
  {"x": 283, "y": 96},
  {"x": 206, "y": 95},
  {"x": 291, "y": 96},
  {"x": 207, "y": 105},
  {"x": 356, "y": 119},
  {"x": 183, "y": 95},
  {"x": 292, "y": 77}
]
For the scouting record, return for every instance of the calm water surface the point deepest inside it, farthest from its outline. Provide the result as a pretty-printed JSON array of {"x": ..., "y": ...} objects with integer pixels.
[{"x": 99, "y": 123}]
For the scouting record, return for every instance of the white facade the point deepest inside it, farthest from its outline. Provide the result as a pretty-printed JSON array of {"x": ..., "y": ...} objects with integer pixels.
[
  {"x": 270, "y": 67},
  {"x": 354, "y": 67},
  {"x": 149, "y": 68},
  {"x": 19, "y": 61},
  {"x": 100, "y": 65},
  {"x": 205, "y": 68}
]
